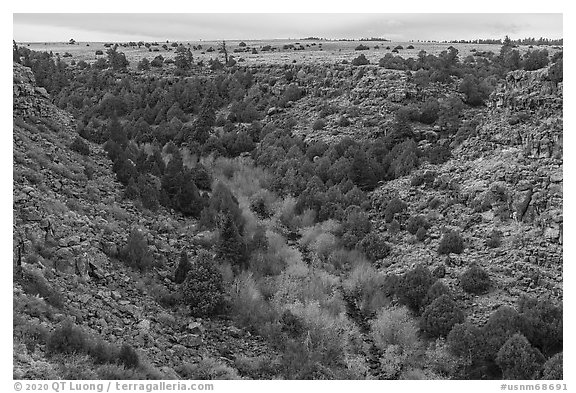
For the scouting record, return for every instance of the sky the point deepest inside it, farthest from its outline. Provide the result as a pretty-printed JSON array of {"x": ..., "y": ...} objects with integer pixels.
[{"x": 54, "y": 27}]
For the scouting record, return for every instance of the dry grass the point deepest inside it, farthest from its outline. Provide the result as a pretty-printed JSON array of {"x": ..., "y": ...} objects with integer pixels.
[{"x": 328, "y": 52}]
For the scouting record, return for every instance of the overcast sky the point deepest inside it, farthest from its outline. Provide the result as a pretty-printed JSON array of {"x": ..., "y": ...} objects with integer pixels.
[{"x": 192, "y": 27}]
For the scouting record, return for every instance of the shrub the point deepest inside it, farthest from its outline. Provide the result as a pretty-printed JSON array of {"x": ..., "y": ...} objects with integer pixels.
[
  {"x": 429, "y": 111},
  {"x": 369, "y": 288},
  {"x": 436, "y": 290},
  {"x": 518, "y": 359},
  {"x": 394, "y": 207},
  {"x": 182, "y": 269},
  {"x": 553, "y": 368},
  {"x": 421, "y": 234},
  {"x": 343, "y": 121},
  {"x": 414, "y": 285},
  {"x": 374, "y": 246},
  {"x": 451, "y": 242},
  {"x": 128, "y": 357},
  {"x": 249, "y": 308},
  {"x": 355, "y": 227},
  {"x": 34, "y": 283},
  {"x": 394, "y": 327},
  {"x": 440, "y": 316},
  {"x": 67, "y": 338},
  {"x": 535, "y": 59},
  {"x": 360, "y": 60},
  {"x": 494, "y": 239},
  {"x": 465, "y": 340},
  {"x": 328, "y": 339},
  {"x": 136, "y": 254},
  {"x": 475, "y": 280},
  {"x": 362, "y": 47},
  {"x": 502, "y": 324},
  {"x": 103, "y": 352},
  {"x": 415, "y": 223},
  {"x": 203, "y": 290},
  {"x": 231, "y": 247},
  {"x": 543, "y": 324},
  {"x": 79, "y": 146},
  {"x": 318, "y": 124},
  {"x": 144, "y": 64},
  {"x": 261, "y": 204}
]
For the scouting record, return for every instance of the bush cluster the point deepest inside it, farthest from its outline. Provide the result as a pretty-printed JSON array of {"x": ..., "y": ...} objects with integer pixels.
[
  {"x": 203, "y": 290},
  {"x": 136, "y": 253},
  {"x": 451, "y": 243},
  {"x": 475, "y": 280}
]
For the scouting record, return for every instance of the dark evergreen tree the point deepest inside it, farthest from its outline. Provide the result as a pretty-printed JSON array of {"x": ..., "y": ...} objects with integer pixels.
[
  {"x": 231, "y": 247},
  {"x": 183, "y": 268},
  {"x": 519, "y": 360},
  {"x": 440, "y": 316}
]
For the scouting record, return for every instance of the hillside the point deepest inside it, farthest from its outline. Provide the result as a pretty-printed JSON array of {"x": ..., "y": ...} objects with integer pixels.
[
  {"x": 506, "y": 177},
  {"x": 71, "y": 220}
]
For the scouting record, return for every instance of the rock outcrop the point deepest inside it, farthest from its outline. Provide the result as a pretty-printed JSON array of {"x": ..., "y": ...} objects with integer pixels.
[{"x": 507, "y": 178}]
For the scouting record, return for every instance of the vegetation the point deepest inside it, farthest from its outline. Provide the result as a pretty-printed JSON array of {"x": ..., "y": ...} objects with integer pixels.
[
  {"x": 475, "y": 280},
  {"x": 440, "y": 316},
  {"x": 293, "y": 244},
  {"x": 518, "y": 360},
  {"x": 451, "y": 242},
  {"x": 203, "y": 290}
]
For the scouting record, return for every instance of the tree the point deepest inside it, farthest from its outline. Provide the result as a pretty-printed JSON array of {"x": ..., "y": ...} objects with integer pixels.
[
  {"x": 475, "y": 92},
  {"x": 187, "y": 199},
  {"x": 543, "y": 324},
  {"x": 136, "y": 253},
  {"x": 536, "y": 59},
  {"x": 225, "y": 205},
  {"x": 374, "y": 246},
  {"x": 429, "y": 111},
  {"x": 414, "y": 286},
  {"x": 144, "y": 64},
  {"x": 224, "y": 50},
  {"x": 183, "y": 268},
  {"x": 502, "y": 324},
  {"x": 553, "y": 368},
  {"x": 231, "y": 247},
  {"x": 465, "y": 340},
  {"x": 360, "y": 60},
  {"x": 475, "y": 280},
  {"x": 518, "y": 359},
  {"x": 172, "y": 175},
  {"x": 440, "y": 316},
  {"x": 116, "y": 132},
  {"x": 203, "y": 289},
  {"x": 116, "y": 60},
  {"x": 361, "y": 172},
  {"x": 451, "y": 242},
  {"x": 148, "y": 192},
  {"x": 183, "y": 59},
  {"x": 436, "y": 290}
]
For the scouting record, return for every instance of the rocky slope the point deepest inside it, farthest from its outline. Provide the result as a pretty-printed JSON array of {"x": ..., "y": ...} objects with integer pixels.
[
  {"x": 508, "y": 178},
  {"x": 70, "y": 221}
]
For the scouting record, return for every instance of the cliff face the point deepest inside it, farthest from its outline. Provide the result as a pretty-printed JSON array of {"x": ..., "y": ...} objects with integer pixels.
[
  {"x": 506, "y": 177},
  {"x": 529, "y": 106}
]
